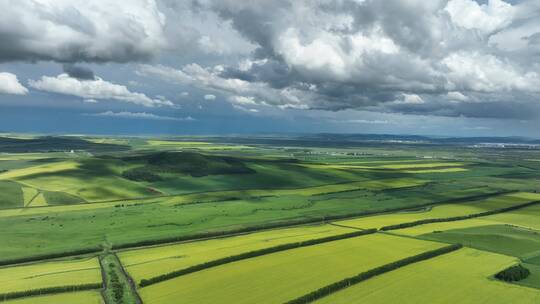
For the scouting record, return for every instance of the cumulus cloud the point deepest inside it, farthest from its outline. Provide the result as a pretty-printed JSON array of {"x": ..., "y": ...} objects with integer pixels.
[
  {"x": 486, "y": 17},
  {"x": 441, "y": 57},
  {"x": 9, "y": 84},
  {"x": 80, "y": 30},
  {"x": 404, "y": 56},
  {"x": 140, "y": 115},
  {"x": 94, "y": 90}
]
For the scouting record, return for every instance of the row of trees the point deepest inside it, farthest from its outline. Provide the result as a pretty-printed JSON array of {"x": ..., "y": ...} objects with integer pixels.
[
  {"x": 116, "y": 286},
  {"x": 49, "y": 290},
  {"x": 329, "y": 289},
  {"x": 458, "y": 218},
  {"x": 251, "y": 254}
]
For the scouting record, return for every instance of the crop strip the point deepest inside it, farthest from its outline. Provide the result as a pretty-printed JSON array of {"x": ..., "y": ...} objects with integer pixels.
[
  {"x": 48, "y": 290},
  {"x": 337, "y": 286},
  {"x": 251, "y": 254},
  {"x": 458, "y": 218}
]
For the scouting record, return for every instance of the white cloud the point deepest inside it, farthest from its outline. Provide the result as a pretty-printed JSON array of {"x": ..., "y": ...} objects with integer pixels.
[
  {"x": 209, "y": 97},
  {"x": 9, "y": 84},
  {"x": 211, "y": 79},
  {"x": 486, "y": 17},
  {"x": 94, "y": 89},
  {"x": 457, "y": 96},
  {"x": 475, "y": 71},
  {"x": 80, "y": 30},
  {"x": 141, "y": 115},
  {"x": 410, "y": 99}
]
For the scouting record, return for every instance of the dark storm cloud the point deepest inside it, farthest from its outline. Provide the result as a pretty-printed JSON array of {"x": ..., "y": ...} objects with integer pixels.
[{"x": 78, "y": 72}]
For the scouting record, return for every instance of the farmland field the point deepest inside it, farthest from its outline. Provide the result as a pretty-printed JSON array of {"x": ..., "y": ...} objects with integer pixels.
[
  {"x": 459, "y": 277},
  {"x": 262, "y": 220},
  {"x": 251, "y": 278},
  {"x": 149, "y": 262},
  {"x": 50, "y": 274}
]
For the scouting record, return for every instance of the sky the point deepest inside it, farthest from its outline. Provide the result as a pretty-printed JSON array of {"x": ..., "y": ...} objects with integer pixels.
[{"x": 195, "y": 67}]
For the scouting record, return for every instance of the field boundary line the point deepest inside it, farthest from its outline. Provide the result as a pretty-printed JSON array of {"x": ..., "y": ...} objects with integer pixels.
[
  {"x": 458, "y": 218},
  {"x": 251, "y": 254},
  {"x": 366, "y": 275}
]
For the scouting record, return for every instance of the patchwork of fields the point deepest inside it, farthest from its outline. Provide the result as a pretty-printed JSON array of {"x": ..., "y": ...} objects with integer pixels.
[{"x": 134, "y": 220}]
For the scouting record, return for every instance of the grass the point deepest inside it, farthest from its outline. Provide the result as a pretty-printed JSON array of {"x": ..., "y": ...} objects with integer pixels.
[
  {"x": 11, "y": 195},
  {"x": 29, "y": 194},
  {"x": 150, "y": 262},
  {"x": 459, "y": 277},
  {"x": 49, "y": 274},
  {"x": 533, "y": 280},
  {"x": 81, "y": 297},
  {"x": 504, "y": 239},
  {"x": 305, "y": 269}
]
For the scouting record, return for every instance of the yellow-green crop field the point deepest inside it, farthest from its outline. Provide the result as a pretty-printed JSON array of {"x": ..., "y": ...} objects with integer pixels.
[
  {"x": 81, "y": 297},
  {"x": 282, "y": 276},
  {"x": 464, "y": 277},
  {"x": 150, "y": 262},
  {"x": 445, "y": 210},
  {"x": 49, "y": 274}
]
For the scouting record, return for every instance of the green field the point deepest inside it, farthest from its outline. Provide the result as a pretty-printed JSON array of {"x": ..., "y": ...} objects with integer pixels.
[
  {"x": 149, "y": 262},
  {"x": 216, "y": 208}
]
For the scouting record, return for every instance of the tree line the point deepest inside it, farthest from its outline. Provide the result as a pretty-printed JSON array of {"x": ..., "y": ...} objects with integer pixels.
[
  {"x": 457, "y": 218},
  {"x": 48, "y": 290},
  {"x": 337, "y": 286},
  {"x": 251, "y": 254}
]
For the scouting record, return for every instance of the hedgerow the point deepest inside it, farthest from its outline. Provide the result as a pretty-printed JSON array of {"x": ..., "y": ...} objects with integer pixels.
[
  {"x": 49, "y": 290},
  {"x": 251, "y": 254},
  {"x": 329, "y": 289}
]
